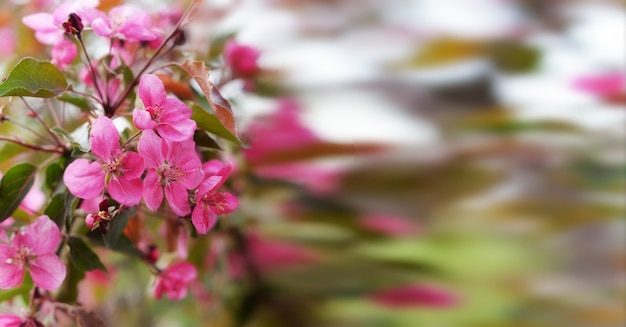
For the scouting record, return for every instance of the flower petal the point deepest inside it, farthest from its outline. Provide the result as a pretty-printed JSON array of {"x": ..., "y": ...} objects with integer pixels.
[
  {"x": 105, "y": 139},
  {"x": 175, "y": 111},
  {"x": 151, "y": 90},
  {"x": 177, "y": 197},
  {"x": 209, "y": 184},
  {"x": 101, "y": 27},
  {"x": 178, "y": 132},
  {"x": 152, "y": 191},
  {"x": 47, "y": 271},
  {"x": 143, "y": 120},
  {"x": 32, "y": 236},
  {"x": 203, "y": 219},
  {"x": 125, "y": 191},
  {"x": 10, "y": 274},
  {"x": 84, "y": 179},
  {"x": 151, "y": 148},
  {"x": 132, "y": 165}
]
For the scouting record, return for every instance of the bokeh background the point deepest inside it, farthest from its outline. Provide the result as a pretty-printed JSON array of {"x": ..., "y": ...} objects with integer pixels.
[{"x": 411, "y": 163}]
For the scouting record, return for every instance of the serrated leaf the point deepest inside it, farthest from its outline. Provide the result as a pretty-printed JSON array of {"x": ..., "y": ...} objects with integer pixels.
[
  {"x": 83, "y": 257},
  {"x": 210, "y": 123},
  {"x": 34, "y": 78},
  {"x": 221, "y": 107},
  {"x": 13, "y": 188},
  {"x": 116, "y": 228}
]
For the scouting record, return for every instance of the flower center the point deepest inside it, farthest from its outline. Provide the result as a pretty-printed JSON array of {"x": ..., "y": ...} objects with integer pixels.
[
  {"x": 113, "y": 164},
  {"x": 22, "y": 258},
  {"x": 217, "y": 202},
  {"x": 170, "y": 173},
  {"x": 156, "y": 112}
]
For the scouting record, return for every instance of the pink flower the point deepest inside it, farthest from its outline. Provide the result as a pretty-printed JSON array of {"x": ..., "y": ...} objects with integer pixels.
[
  {"x": 169, "y": 116},
  {"x": 10, "y": 320},
  {"x": 241, "y": 59},
  {"x": 415, "y": 295},
  {"x": 63, "y": 53},
  {"x": 173, "y": 281},
  {"x": 125, "y": 22},
  {"x": 602, "y": 85},
  {"x": 210, "y": 203},
  {"x": 49, "y": 27},
  {"x": 8, "y": 42},
  {"x": 173, "y": 167},
  {"x": 33, "y": 249},
  {"x": 119, "y": 170},
  {"x": 279, "y": 132}
]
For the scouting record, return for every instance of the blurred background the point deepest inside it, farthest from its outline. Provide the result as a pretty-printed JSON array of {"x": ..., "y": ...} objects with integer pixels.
[{"x": 411, "y": 163}]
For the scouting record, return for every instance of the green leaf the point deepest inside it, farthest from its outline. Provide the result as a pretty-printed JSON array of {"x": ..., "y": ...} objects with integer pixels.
[
  {"x": 210, "y": 123},
  {"x": 515, "y": 57},
  {"x": 203, "y": 139},
  {"x": 68, "y": 292},
  {"x": 116, "y": 228},
  {"x": 60, "y": 207},
  {"x": 13, "y": 188},
  {"x": 83, "y": 257},
  {"x": 79, "y": 138},
  {"x": 79, "y": 102},
  {"x": 54, "y": 173},
  {"x": 34, "y": 78}
]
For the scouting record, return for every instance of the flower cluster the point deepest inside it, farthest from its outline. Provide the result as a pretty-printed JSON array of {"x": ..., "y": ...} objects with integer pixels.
[{"x": 166, "y": 153}]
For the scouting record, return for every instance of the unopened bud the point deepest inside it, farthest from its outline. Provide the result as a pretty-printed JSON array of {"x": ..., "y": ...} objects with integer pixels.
[{"x": 73, "y": 25}]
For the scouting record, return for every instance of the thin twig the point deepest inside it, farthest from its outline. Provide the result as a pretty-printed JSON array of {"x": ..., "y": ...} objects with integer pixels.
[
  {"x": 26, "y": 127},
  {"x": 91, "y": 69},
  {"x": 33, "y": 146},
  {"x": 43, "y": 123}
]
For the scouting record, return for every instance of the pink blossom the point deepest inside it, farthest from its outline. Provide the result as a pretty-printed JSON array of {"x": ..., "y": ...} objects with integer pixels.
[
  {"x": 271, "y": 255},
  {"x": 279, "y": 132},
  {"x": 602, "y": 85},
  {"x": 10, "y": 320},
  {"x": 33, "y": 249},
  {"x": 49, "y": 27},
  {"x": 416, "y": 295},
  {"x": 173, "y": 281},
  {"x": 169, "y": 116},
  {"x": 63, "y": 53},
  {"x": 318, "y": 180},
  {"x": 210, "y": 203},
  {"x": 125, "y": 22},
  {"x": 8, "y": 42},
  {"x": 173, "y": 167},
  {"x": 241, "y": 59},
  {"x": 119, "y": 170}
]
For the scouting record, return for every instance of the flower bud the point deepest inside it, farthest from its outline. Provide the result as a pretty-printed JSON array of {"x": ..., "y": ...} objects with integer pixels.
[{"x": 73, "y": 25}]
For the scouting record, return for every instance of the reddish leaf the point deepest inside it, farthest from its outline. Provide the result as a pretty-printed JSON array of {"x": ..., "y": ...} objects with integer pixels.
[{"x": 221, "y": 106}]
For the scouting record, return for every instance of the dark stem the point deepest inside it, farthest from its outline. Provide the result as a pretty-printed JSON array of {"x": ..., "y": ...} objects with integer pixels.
[
  {"x": 43, "y": 123},
  {"x": 32, "y": 146},
  {"x": 105, "y": 103}
]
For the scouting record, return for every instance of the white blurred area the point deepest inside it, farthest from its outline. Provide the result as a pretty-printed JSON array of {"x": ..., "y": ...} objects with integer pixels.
[{"x": 328, "y": 50}]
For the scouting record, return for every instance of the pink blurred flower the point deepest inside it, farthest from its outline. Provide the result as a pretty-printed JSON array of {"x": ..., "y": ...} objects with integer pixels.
[
  {"x": 316, "y": 179},
  {"x": 33, "y": 249},
  {"x": 173, "y": 167},
  {"x": 210, "y": 203},
  {"x": 8, "y": 42},
  {"x": 270, "y": 255},
  {"x": 126, "y": 22},
  {"x": 174, "y": 279},
  {"x": 11, "y": 320},
  {"x": 606, "y": 85},
  {"x": 63, "y": 53},
  {"x": 415, "y": 295},
  {"x": 388, "y": 225},
  {"x": 241, "y": 59},
  {"x": 279, "y": 132},
  {"x": 119, "y": 170},
  {"x": 169, "y": 116}
]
